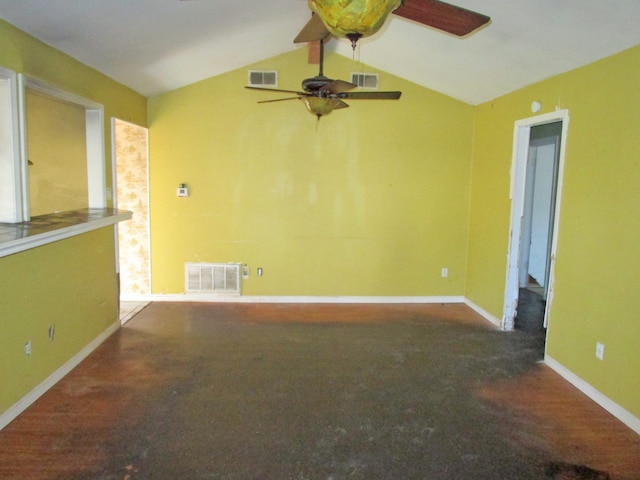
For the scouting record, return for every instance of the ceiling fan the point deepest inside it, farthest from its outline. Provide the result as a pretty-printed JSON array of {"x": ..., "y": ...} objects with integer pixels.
[
  {"x": 322, "y": 95},
  {"x": 361, "y": 18}
]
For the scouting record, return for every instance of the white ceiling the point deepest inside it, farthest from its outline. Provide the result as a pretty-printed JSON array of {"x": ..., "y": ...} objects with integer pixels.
[{"x": 158, "y": 45}]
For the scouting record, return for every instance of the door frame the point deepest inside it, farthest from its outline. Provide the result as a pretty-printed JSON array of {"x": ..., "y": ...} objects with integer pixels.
[{"x": 521, "y": 142}]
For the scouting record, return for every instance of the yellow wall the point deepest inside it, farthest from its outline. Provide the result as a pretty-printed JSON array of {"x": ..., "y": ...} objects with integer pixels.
[
  {"x": 595, "y": 299},
  {"x": 72, "y": 282},
  {"x": 57, "y": 150},
  {"x": 372, "y": 200},
  {"x": 25, "y": 54}
]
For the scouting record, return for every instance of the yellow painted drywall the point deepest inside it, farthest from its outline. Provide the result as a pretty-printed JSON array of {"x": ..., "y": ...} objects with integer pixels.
[
  {"x": 25, "y": 54},
  {"x": 71, "y": 282},
  {"x": 57, "y": 153},
  {"x": 370, "y": 201},
  {"x": 595, "y": 298}
]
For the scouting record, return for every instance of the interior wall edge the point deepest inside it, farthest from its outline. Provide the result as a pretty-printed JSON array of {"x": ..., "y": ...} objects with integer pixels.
[
  {"x": 213, "y": 298},
  {"x": 484, "y": 313},
  {"x": 495, "y": 321},
  {"x": 594, "y": 394}
]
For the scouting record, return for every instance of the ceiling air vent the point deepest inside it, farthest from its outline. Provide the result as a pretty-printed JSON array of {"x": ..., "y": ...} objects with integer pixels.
[
  {"x": 263, "y": 78},
  {"x": 365, "y": 80}
]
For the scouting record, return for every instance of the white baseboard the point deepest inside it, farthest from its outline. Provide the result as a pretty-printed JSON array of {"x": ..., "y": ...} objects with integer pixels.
[
  {"x": 605, "y": 402},
  {"x": 216, "y": 298},
  {"x": 21, "y": 405},
  {"x": 478, "y": 309},
  {"x": 213, "y": 298}
]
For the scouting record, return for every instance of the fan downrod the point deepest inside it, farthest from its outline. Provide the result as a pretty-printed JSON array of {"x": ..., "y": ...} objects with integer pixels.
[{"x": 314, "y": 84}]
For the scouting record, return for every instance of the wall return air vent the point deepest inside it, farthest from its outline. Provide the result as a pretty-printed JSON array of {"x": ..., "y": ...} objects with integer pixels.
[
  {"x": 222, "y": 278},
  {"x": 365, "y": 80},
  {"x": 263, "y": 78}
]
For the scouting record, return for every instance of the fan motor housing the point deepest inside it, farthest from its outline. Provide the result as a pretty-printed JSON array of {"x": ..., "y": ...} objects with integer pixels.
[{"x": 313, "y": 85}]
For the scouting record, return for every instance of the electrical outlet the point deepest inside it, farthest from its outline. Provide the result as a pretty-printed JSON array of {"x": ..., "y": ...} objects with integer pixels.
[
  {"x": 600, "y": 351},
  {"x": 27, "y": 348},
  {"x": 52, "y": 332},
  {"x": 245, "y": 271},
  {"x": 444, "y": 272},
  {"x": 259, "y": 271}
]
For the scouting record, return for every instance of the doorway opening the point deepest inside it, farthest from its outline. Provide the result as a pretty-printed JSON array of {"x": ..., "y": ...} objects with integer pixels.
[
  {"x": 131, "y": 192},
  {"x": 539, "y": 145}
]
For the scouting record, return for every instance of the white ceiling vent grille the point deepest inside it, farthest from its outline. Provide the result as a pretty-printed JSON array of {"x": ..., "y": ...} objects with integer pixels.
[
  {"x": 263, "y": 78},
  {"x": 213, "y": 277},
  {"x": 365, "y": 80}
]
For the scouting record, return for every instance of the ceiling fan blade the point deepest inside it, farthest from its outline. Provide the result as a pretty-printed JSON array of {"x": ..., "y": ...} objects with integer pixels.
[
  {"x": 281, "y": 99},
  {"x": 313, "y": 31},
  {"x": 443, "y": 16},
  {"x": 336, "y": 103},
  {"x": 370, "y": 95},
  {"x": 337, "y": 86},
  {"x": 266, "y": 89}
]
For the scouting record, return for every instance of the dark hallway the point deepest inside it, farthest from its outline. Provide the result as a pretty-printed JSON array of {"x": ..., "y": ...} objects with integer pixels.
[{"x": 530, "y": 317}]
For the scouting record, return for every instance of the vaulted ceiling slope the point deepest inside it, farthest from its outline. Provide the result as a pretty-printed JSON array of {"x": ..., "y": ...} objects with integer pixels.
[{"x": 154, "y": 46}]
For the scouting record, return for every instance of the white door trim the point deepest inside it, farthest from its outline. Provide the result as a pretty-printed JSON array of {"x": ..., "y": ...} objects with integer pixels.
[
  {"x": 11, "y": 168},
  {"x": 521, "y": 141}
]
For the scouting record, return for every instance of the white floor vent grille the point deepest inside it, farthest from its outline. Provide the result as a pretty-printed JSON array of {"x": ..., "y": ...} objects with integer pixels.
[{"x": 213, "y": 277}]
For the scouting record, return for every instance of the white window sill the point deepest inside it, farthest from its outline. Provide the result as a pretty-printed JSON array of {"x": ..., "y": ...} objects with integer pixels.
[{"x": 44, "y": 229}]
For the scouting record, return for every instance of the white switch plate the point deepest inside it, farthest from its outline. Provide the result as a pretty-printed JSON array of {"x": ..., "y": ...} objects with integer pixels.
[
  {"x": 600, "y": 351},
  {"x": 445, "y": 272}
]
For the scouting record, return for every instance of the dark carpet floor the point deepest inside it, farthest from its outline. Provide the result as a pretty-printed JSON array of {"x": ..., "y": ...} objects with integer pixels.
[
  {"x": 286, "y": 392},
  {"x": 297, "y": 399}
]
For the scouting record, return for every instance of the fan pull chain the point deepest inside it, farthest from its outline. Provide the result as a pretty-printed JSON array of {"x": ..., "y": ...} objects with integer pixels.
[
  {"x": 356, "y": 52},
  {"x": 354, "y": 37}
]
